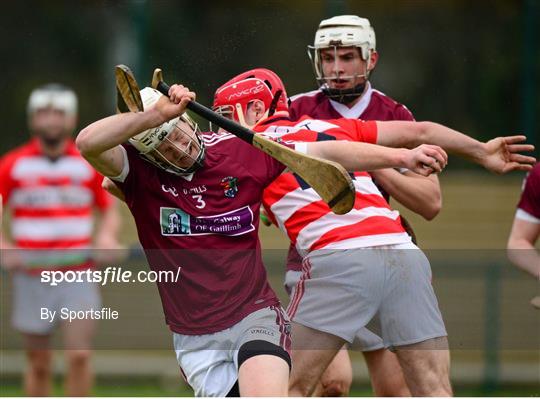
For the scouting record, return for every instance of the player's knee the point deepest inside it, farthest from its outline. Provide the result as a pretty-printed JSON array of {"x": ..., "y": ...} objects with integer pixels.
[
  {"x": 40, "y": 363},
  {"x": 78, "y": 357},
  {"x": 337, "y": 387},
  {"x": 433, "y": 383},
  {"x": 300, "y": 388}
]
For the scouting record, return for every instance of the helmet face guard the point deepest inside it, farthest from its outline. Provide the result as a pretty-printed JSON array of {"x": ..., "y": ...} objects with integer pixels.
[
  {"x": 175, "y": 146},
  {"x": 344, "y": 31},
  {"x": 181, "y": 151},
  {"x": 324, "y": 80}
]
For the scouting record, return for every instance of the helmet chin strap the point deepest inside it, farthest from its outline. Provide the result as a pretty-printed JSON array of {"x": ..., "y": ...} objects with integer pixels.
[{"x": 345, "y": 96}]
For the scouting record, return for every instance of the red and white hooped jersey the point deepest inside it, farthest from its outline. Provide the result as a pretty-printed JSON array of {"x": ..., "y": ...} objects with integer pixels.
[
  {"x": 50, "y": 201},
  {"x": 299, "y": 211}
]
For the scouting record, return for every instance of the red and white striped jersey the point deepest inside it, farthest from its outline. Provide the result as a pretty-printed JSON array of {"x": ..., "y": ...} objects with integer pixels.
[
  {"x": 299, "y": 211},
  {"x": 50, "y": 201}
]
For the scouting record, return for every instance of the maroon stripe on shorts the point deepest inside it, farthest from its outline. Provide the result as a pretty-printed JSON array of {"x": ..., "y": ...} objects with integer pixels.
[{"x": 300, "y": 288}]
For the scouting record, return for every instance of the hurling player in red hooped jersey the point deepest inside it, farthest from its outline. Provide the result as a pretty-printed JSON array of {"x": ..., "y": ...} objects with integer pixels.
[
  {"x": 50, "y": 192},
  {"x": 343, "y": 56},
  {"x": 349, "y": 273},
  {"x": 195, "y": 199}
]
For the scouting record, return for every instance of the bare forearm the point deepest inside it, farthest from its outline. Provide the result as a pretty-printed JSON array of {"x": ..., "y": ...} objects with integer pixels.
[
  {"x": 452, "y": 141},
  {"x": 358, "y": 156},
  {"x": 412, "y": 134},
  {"x": 525, "y": 256},
  {"x": 112, "y": 131},
  {"x": 109, "y": 225},
  {"x": 419, "y": 194}
]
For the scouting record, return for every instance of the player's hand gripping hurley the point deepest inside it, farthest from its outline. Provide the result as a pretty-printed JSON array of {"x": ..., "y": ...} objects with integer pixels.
[{"x": 329, "y": 179}]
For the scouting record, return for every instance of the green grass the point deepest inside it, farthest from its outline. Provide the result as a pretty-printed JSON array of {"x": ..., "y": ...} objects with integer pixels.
[{"x": 148, "y": 389}]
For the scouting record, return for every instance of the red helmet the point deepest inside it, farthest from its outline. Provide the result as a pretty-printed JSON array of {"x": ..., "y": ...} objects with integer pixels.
[{"x": 233, "y": 97}]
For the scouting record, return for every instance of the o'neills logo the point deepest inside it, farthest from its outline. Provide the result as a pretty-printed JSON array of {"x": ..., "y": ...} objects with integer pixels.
[{"x": 245, "y": 92}]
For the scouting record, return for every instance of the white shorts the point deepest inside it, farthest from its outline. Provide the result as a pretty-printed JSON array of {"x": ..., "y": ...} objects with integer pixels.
[
  {"x": 341, "y": 291},
  {"x": 30, "y": 295},
  {"x": 209, "y": 362},
  {"x": 365, "y": 340}
]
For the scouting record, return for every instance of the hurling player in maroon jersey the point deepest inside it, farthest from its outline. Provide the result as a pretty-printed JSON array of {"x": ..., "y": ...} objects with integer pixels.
[
  {"x": 526, "y": 229},
  {"x": 343, "y": 56},
  {"x": 195, "y": 199},
  {"x": 257, "y": 99}
]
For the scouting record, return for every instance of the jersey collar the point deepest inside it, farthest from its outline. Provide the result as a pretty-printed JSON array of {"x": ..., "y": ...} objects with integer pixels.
[{"x": 358, "y": 109}]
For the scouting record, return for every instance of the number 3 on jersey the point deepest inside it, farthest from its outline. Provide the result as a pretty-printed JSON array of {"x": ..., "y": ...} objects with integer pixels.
[{"x": 200, "y": 202}]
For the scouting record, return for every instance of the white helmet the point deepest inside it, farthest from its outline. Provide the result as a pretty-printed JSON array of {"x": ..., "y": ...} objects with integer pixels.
[
  {"x": 53, "y": 95},
  {"x": 342, "y": 31},
  {"x": 345, "y": 31},
  {"x": 151, "y": 142}
]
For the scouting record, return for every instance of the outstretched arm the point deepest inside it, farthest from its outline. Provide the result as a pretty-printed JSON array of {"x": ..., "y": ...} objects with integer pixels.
[
  {"x": 500, "y": 155},
  {"x": 520, "y": 249},
  {"x": 423, "y": 160}
]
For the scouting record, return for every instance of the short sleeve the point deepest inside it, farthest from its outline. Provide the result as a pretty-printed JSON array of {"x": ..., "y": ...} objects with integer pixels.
[
  {"x": 530, "y": 197},
  {"x": 127, "y": 182},
  {"x": 102, "y": 199}
]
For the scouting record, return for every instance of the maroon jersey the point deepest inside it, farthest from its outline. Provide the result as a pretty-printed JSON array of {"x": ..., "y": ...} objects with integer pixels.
[
  {"x": 374, "y": 105},
  {"x": 206, "y": 226},
  {"x": 530, "y": 197}
]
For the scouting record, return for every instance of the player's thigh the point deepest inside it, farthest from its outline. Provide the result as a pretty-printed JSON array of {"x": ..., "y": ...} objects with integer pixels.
[
  {"x": 266, "y": 331},
  {"x": 206, "y": 362},
  {"x": 426, "y": 366},
  {"x": 310, "y": 360},
  {"x": 409, "y": 312},
  {"x": 264, "y": 375},
  {"x": 263, "y": 349},
  {"x": 386, "y": 375}
]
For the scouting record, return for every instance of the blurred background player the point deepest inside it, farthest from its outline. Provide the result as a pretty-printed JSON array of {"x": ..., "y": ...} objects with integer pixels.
[
  {"x": 362, "y": 266},
  {"x": 343, "y": 56},
  {"x": 526, "y": 229},
  {"x": 50, "y": 191}
]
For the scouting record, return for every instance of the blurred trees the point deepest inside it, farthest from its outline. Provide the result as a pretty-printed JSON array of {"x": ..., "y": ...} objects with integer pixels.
[{"x": 471, "y": 65}]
